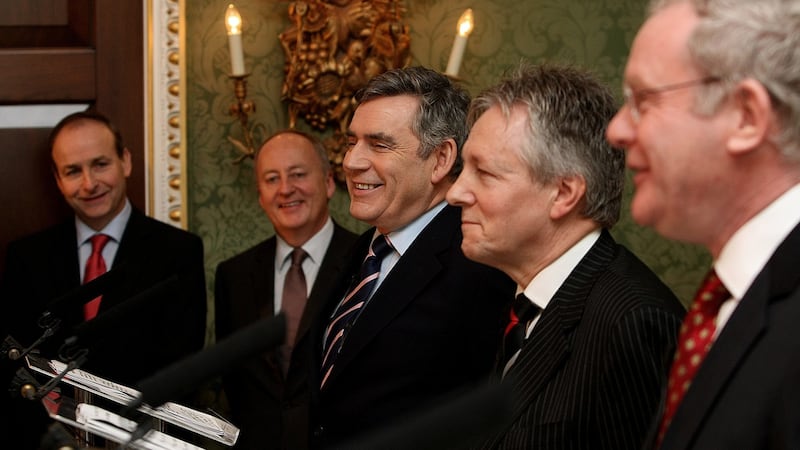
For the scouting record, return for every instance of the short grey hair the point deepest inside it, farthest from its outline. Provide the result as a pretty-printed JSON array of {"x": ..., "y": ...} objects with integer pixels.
[
  {"x": 758, "y": 39},
  {"x": 568, "y": 111},
  {"x": 442, "y": 106}
]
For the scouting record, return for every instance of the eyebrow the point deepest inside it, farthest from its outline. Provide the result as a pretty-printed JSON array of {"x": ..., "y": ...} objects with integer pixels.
[{"x": 379, "y": 136}]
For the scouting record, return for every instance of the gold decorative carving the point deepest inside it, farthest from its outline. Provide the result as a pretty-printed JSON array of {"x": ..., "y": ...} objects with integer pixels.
[{"x": 332, "y": 48}]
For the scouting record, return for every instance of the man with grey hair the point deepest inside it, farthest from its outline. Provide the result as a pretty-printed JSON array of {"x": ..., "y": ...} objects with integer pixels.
[
  {"x": 711, "y": 128},
  {"x": 592, "y": 329},
  {"x": 417, "y": 321},
  {"x": 292, "y": 271}
]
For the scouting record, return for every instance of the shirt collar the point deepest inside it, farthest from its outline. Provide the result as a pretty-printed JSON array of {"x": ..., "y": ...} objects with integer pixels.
[
  {"x": 547, "y": 282},
  {"x": 114, "y": 229},
  {"x": 315, "y": 247},
  {"x": 402, "y": 238},
  {"x": 751, "y": 246}
]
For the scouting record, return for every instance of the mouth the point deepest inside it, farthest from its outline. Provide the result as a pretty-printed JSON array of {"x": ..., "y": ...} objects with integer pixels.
[
  {"x": 93, "y": 198},
  {"x": 365, "y": 186},
  {"x": 290, "y": 204}
]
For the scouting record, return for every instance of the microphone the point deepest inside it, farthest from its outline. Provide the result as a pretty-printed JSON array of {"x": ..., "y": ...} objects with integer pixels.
[
  {"x": 179, "y": 378},
  {"x": 50, "y": 319},
  {"x": 109, "y": 321},
  {"x": 84, "y": 292},
  {"x": 462, "y": 422}
]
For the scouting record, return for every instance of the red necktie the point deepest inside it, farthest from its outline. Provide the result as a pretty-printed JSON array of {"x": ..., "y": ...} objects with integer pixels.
[
  {"x": 293, "y": 303},
  {"x": 694, "y": 341},
  {"x": 95, "y": 266}
]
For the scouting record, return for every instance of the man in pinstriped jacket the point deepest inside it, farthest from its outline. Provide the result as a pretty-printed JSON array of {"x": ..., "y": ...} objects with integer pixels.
[{"x": 539, "y": 191}]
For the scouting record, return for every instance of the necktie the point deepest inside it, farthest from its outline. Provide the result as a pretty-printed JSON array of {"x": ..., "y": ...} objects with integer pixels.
[
  {"x": 351, "y": 305},
  {"x": 293, "y": 303},
  {"x": 522, "y": 312},
  {"x": 95, "y": 266},
  {"x": 694, "y": 341}
]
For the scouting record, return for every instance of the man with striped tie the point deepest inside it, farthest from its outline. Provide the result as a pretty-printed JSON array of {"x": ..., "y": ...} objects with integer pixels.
[
  {"x": 415, "y": 320},
  {"x": 592, "y": 331}
]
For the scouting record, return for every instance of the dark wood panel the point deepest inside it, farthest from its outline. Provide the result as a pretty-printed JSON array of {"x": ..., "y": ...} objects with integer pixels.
[
  {"x": 46, "y": 23},
  {"x": 47, "y": 75},
  {"x": 33, "y": 12},
  {"x": 120, "y": 80},
  {"x": 30, "y": 197}
]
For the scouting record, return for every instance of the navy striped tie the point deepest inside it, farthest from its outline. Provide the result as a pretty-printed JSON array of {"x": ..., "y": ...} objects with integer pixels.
[{"x": 352, "y": 304}]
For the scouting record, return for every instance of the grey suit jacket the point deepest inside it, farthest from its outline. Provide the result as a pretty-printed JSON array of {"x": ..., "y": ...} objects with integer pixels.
[
  {"x": 271, "y": 410},
  {"x": 746, "y": 393},
  {"x": 590, "y": 374}
]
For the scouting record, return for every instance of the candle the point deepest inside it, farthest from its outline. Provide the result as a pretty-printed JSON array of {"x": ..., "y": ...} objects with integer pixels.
[
  {"x": 465, "y": 25},
  {"x": 233, "y": 22}
]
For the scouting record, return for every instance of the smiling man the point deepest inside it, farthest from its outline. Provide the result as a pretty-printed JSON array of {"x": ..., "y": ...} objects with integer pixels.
[
  {"x": 269, "y": 395},
  {"x": 711, "y": 129},
  {"x": 418, "y": 320},
  {"x": 91, "y": 165},
  {"x": 593, "y": 329}
]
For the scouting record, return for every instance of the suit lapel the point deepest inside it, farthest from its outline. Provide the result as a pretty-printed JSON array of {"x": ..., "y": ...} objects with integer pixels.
[
  {"x": 743, "y": 330},
  {"x": 421, "y": 264},
  {"x": 262, "y": 279},
  {"x": 329, "y": 273},
  {"x": 549, "y": 345}
]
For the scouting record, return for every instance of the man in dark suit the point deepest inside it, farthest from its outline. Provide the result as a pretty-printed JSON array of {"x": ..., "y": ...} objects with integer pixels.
[
  {"x": 592, "y": 330},
  {"x": 269, "y": 397},
  {"x": 161, "y": 269},
  {"x": 710, "y": 127},
  {"x": 424, "y": 321}
]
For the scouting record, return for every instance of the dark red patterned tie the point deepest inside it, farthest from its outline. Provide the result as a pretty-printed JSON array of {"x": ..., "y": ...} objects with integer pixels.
[
  {"x": 694, "y": 340},
  {"x": 95, "y": 266}
]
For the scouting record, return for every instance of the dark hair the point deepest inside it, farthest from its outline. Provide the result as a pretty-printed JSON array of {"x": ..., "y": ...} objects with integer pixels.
[
  {"x": 442, "y": 108},
  {"x": 87, "y": 116}
]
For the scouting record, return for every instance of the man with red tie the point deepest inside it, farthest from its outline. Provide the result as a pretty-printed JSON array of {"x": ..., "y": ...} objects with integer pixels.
[
  {"x": 91, "y": 164},
  {"x": 710, "y": 129}
]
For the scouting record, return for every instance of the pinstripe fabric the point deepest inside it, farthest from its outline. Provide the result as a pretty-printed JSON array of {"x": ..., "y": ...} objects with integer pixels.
[{"x": 590, "y": 374}]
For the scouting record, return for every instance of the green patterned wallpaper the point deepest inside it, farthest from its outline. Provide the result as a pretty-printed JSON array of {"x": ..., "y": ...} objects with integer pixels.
[{"x": 223, "y": 207}]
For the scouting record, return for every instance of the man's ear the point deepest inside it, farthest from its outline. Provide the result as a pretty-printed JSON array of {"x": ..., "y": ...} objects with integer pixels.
[
  {"x": 755, "y": 119},
  {"x": 445, "y": 156},
  {"x": 569, "y": 192}
]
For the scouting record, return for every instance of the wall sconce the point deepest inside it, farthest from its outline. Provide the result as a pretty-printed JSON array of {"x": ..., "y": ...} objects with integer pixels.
[
  {"x": 332, "y": 49},
  {"x": 243, "y": 107},
  {"x": 465, "y": 25}
]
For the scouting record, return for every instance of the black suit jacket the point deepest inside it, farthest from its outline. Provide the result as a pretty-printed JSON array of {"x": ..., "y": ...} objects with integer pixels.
[
  {"x": 746, "y": 393},
  {"x": 589, "y": 376},
  {"x": 431, "y": 328},
  {"x": 167, "y": 325},
  {"x": 271, "y": 410}
]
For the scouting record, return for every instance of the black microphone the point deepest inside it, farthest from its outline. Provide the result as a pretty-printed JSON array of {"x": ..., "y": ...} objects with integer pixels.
[
  {"x": 461, "y": 422},
  {"x": 91, "y": 331},
  {"x": 179, "y": 378},
  {"x": 84, "y": 292},
  {"x": 50, "y": 319}
]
